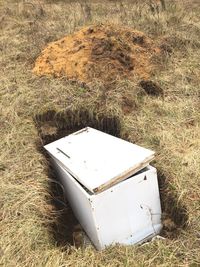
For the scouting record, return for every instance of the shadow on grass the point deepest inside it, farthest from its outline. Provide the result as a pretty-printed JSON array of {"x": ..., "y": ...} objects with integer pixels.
[{"x": 175, "y": 215}]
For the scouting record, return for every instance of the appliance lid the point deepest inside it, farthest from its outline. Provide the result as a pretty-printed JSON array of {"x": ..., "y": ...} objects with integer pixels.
[{"x": 98, "y": 160}]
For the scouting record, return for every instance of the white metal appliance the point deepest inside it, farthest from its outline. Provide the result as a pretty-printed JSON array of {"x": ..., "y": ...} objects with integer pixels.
[{"x": 110, "y": 185}]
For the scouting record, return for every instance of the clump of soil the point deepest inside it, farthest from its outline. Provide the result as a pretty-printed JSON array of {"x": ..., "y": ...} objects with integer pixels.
[
  {"x": 151, "y": 88},
  {"x": 104, "y": 52}
]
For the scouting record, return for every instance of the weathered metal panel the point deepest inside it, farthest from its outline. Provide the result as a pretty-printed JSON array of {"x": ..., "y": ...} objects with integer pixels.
[
  {"x": 80, "y": 202},
  {"x": 129, "y": 212}
]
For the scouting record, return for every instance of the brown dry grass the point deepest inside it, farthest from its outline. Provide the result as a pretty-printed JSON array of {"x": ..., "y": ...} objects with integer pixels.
[{"x": 170, "y": 125}]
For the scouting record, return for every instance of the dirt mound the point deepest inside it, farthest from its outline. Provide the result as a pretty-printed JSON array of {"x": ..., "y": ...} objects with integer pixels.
[{"x": 104, "y": 53}]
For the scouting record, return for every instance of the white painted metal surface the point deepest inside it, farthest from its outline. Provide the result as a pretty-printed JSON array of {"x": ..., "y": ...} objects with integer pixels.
[
  {"x": 127, "y": 213},
  {"x": 98, "y": 160}
]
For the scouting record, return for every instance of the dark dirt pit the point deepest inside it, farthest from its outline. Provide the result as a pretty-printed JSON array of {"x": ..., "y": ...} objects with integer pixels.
[{"x": 65, "y": 228}]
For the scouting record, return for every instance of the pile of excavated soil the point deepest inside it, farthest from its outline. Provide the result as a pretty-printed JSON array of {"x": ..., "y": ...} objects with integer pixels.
[{"x": 104, "y": 52}]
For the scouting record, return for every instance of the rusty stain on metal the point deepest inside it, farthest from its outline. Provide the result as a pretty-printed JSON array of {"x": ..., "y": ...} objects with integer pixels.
[
  {"x": 81, "y": 131},
  {"x": 63, "y": 153}
]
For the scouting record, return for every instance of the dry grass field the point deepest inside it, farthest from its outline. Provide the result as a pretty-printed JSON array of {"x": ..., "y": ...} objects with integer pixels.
[{"x": 36, "y": 227}]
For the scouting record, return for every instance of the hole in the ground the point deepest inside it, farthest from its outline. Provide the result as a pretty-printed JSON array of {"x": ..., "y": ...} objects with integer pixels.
[
  {"x": 175, "y": 215},
  {"x": 66, "y": 230},
  {"x": 53, "y": 125}
]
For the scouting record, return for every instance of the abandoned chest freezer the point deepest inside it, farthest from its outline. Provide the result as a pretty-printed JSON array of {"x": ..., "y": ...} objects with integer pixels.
[{"x": 110, "y": 186}]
